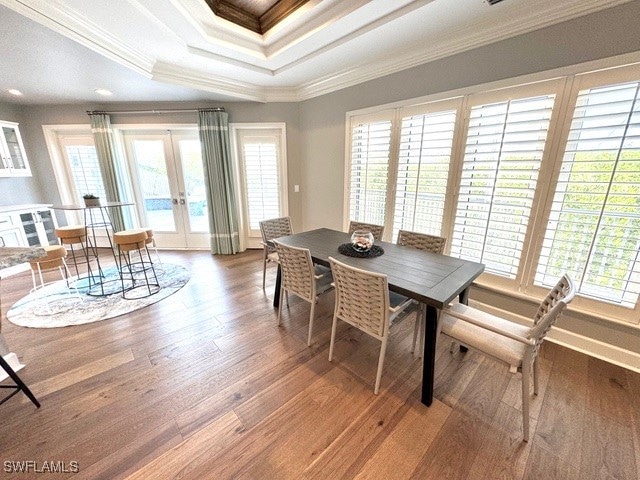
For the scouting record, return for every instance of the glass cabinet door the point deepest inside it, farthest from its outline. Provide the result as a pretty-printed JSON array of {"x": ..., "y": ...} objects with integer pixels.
[{"x": 14, "y": 160}]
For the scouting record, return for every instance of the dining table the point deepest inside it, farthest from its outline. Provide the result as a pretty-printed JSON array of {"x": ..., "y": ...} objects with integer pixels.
[{"x": 432, "y": 279}]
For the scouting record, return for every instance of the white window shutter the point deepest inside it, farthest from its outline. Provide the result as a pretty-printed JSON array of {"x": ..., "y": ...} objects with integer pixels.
[
  {"x": 85, "y": 170},
  {"x": 593, "y": 233},
  {"x": 504, "y": 147},
  {"x": 369, "y": 170},
  {"x": 262, "y": 182},
  {"x": 426, "y": 143}
]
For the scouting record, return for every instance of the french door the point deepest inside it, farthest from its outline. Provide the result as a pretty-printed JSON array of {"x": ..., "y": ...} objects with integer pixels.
[{"x": 168, "y": 184}]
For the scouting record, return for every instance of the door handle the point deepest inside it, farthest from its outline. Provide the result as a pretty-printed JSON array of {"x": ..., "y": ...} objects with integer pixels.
[{"x": 174, "y": 201}]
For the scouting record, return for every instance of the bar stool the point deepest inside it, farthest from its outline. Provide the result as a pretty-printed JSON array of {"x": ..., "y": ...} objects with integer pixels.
[
  {"x": 54, "y": 259},
  {"x": 56, "y": 301},
  {"x": 150, "y": 241},
  {"x": 140, "y": 273},
  {"x": 74, "y": 235}
]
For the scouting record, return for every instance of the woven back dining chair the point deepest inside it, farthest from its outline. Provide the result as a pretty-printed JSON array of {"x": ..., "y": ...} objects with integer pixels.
[
  {"x": 363, "y": 300},
  {"x": 421, "y": 241},
  {"x": 511, "y": 343},
  {"x": 429, "y": 243},
  {"x": 270, "y": 229},
  {"x": 301, "y": 278},
  {"x": 376, "y": 230}
]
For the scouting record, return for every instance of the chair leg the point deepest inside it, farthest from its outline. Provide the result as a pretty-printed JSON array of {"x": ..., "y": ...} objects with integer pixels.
[
  {"x": 526, "y": 379},
  {"x": 423, "y": 327},
  {"x": 333, "y": 337},
  {"x": 536, "y": 375},
  {"x": 264, "y": 267},
  {"x": 313, "y": 306},
  {"x": 416, "y": 329},
  {"x": 280, "y": 305},
  {"x": 19, "y": 386},
  {"x": 383, "y": 351}
]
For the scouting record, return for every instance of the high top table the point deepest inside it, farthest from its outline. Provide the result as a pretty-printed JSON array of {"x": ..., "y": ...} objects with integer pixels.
[{"x": 430, "y": 278}]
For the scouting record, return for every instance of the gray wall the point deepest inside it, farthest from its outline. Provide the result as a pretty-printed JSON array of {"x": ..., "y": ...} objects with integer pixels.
[
  {"x": 32, "y": 118},
  {"x": 18, "y": 190},
  {"x": 322, "y": 119},
  {"x": 316, "y": 127},
  {"x": 322, "y": 122}
]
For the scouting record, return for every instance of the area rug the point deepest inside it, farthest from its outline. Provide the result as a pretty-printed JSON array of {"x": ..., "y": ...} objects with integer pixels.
[{"x": 57, "y": 306}]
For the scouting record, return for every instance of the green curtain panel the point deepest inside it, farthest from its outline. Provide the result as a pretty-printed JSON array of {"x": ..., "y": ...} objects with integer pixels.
[
  {"x": 213, "y": 127},
  {"x": 104, "y": 140}
]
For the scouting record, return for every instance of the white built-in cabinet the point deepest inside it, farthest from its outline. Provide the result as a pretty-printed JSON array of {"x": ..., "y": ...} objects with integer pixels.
[
  {"x": 13, "y": 159},
  {"x": 27, "y": 226}
]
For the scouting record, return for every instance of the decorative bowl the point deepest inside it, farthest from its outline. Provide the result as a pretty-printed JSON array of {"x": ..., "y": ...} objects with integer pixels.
[{"x": 362, "y": 240}]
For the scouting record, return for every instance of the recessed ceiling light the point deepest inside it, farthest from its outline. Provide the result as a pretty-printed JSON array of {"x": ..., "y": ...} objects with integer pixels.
[
  {"x": 15, "y": 92},
  {"x": 102, "y": 91}
]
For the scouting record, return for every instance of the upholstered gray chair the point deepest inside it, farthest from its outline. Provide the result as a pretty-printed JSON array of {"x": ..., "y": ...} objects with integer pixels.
[{"x": 514, "y": 344}]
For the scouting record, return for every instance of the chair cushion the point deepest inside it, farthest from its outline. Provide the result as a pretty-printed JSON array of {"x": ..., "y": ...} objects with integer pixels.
[{"x": 496, "y": 345}]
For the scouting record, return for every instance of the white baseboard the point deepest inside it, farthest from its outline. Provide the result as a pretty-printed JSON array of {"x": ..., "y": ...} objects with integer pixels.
[
  {"x": 588, "y": 346},
  {"x": 13, "y": 361}
]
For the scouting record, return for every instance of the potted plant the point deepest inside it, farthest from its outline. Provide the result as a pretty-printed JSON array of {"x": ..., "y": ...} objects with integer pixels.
[{"x": 90, "y": 200}]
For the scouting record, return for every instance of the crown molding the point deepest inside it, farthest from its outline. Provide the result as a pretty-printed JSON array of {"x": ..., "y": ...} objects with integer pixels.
[
  {"x": 67, "y": 22},
  {"x": 229, "y": 60},
  {"x": 488, "y": 35},
  {"x": 60, "y": 18},
  {"x": 165, "y": 72}
]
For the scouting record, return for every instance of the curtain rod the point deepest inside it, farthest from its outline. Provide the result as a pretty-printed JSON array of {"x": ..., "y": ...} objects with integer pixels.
[{"x": 154, "y": 112}]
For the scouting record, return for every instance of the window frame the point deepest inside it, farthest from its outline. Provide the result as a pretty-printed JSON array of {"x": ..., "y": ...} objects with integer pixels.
[
  {"x": 251, "y": 238},
  {"x": 566, "y": 87},
  {"x": 581, "y": 303}
]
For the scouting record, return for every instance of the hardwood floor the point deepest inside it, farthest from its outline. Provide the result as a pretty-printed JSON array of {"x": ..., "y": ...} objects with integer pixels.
[{"x": 204, "y": 384}]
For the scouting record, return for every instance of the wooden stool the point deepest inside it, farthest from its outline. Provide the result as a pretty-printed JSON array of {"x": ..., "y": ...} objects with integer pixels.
[
  {"x": 140, "y": 273},
  {"x": 74, "y": 235}
]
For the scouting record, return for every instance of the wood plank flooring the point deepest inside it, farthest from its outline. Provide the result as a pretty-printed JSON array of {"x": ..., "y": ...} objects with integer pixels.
[{"x": 204, "y": 384}]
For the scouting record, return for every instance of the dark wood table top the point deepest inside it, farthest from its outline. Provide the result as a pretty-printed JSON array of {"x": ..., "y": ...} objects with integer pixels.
[{"x": 430, "y": 278}]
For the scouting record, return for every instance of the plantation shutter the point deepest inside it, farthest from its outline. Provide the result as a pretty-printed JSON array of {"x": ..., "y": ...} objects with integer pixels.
[
  {"x": 262, "y": 182},
  {"x": 504, "y": 147},
  {"x": 83, "y": 166},
  {"x": 369, "y": 168},
  {"x": 426, "y": 143},
  {"x": 593, "y": 233}
]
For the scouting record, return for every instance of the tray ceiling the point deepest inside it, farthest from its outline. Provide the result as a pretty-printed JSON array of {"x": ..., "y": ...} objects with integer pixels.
[{"x": 60, "y": 51}]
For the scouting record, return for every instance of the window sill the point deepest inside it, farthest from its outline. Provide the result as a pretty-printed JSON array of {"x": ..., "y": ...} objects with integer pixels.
[{"x": 486, "y": 284}]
